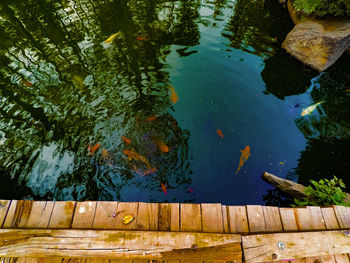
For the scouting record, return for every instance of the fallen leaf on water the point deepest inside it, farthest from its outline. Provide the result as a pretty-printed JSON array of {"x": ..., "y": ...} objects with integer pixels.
[
  {"x": 128, "y": 219},
  {"x": 26, "y": 83},
  {"x": 141, "y": 38}
]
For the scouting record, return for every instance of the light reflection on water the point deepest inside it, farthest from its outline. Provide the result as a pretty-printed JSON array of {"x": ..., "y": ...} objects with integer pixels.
[{"x": 63, "y": 88}]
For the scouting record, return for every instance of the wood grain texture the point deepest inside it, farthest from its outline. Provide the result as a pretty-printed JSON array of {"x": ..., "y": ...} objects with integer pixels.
[
  {"x": 119, "y": 244},
  {"x": 10, "y": 218},
  {"x": 309, "y": 218},
  {"x": 256, "y": 218},
  {"x": 174, "y": 217},
  {"x": 147, "y": 216},
  {"x": 50, "y": 260},
  {"x": 225, "y": 219},
  {"x": 261, "y": 248},
  {"x": 272, "y": 219},
  {"x": 343, "y": 216},
  {"x": 329, "y": 218},
  {"x": 289, "y": 222},
  {"x": 191, "y": 220},
  {"x": 105, "y": 216},
  {"x": 212, "y": 221},
  {"x": 237, "y": 219},
  {"x": 84, "y": 215},
  {"x": 126, "y": 208},
  {"x": 40, "y": 215},
  {"x": 62, "y": 214},
  {"x": 27, "y": 260},
  {"x": 342, "y": 258},
  {"x": 164, "y": 217},
  {"x": 4, "y": 207}
]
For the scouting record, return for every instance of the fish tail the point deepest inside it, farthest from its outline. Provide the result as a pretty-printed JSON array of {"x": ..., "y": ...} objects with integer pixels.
[{"x": 239, "y": 168}]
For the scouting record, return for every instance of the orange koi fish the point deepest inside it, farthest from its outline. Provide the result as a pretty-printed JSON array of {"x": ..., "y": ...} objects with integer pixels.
[
  {"x": 26, "y": 83},
  {"x": 161, "y": 145},
  {"x": 150, "y": 171},
  {"x": 126, "y": 140},
  {"x": 163, "y": 186},
  {"x": 138, "y": 157},
  {"x": 173, "y": 95},
  {"x": 141, "y": 38},
  {"x": 220, "y": 133},
  {"x": 152, "y": 118},
  {"x": 107, "y": 156},
  {"x": 245, "y": 153},
  {"x": 94, "y": 148}
]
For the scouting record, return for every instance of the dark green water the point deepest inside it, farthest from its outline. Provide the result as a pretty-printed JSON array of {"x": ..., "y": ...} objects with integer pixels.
[{"x": 63, "y": 88}]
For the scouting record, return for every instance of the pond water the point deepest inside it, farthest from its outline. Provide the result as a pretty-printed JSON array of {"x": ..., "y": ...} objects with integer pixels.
[{"x": 188, "y": 84}]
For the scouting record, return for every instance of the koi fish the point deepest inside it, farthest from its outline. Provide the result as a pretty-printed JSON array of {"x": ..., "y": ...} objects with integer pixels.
[
  {"x": 161, "y": 145},
  {"x": 26, "y": 83},
  {"x": 152, "y": 118},
  {"x": 220, "y": 133},
  {"x": 126, "y": 140},
  {"x": 107, "y": 156},
  {"x": 310, "y": 109},
  {"x": 138, "y": 157},
  {"x": 150, "y": 171},
  {"x": 141, "y": 38},
  {"x": 173, "y": 96},
  {"x": 111, "y": 38},
  {"x": 245, "y": 153},
  {"x": 163, "y": 186},
  {"x": 94, "y": 148}
]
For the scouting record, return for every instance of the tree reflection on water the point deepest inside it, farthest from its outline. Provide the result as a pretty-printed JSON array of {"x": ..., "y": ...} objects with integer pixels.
[{"x": 62, "y": 89}]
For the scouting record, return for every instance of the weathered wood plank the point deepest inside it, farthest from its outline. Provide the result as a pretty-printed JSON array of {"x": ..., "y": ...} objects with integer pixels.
[
  {"x": 124, "y": 209},
  {"x": 256, "y": 218},
  {"x": 225, "y": 219},
  {"x": 84, "y": 215},
  {"x": 237, "y": 219},
  {"x": 212, "y": 218},
  {"x": 175, "y": 217},
  {"x": 147, "y": 216},
  {"x": 11, "y": 214},
  {"x": 105, "y": 216},
  {"x": 27, "y": 260},
  {"x": 329, "y": 217},
  {"x": 288, "y": 219},
  {"x": 4, "y": 207},
  {"x": 50, "y": 260},
  {"x": 343, "y": 216},
  {"x": 272, "y": 219},
  {"x": 191, "y": 218},
  {"x": 40, "y": 215},
  {"x": 62, "y": 214},
  {"x": 342, "y": 258},
  {"x": 309, "y": 218},
  {"x": 74, "y": 260},
  {"x": 119, "y": 244},
  {"x": 267, "y": 247},
  {"x": 101, "y": 260},
  {"x": 164, "y": 217}
]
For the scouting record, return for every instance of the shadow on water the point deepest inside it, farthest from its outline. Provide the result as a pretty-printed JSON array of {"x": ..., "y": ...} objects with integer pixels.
[{"x": 63, "y": 88}]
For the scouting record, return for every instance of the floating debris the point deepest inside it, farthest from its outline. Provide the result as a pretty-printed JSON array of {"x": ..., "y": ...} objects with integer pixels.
[{"x": 128, "y": 219}]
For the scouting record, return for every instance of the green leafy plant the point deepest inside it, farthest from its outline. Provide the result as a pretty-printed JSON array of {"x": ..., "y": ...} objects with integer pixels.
[
  {"x": 323, "y": 7},
  {"x": 324, "y": 193}
]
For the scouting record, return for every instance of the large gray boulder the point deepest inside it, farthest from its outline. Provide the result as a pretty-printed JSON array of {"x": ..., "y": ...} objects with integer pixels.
[{"x": 318, "y": 43}]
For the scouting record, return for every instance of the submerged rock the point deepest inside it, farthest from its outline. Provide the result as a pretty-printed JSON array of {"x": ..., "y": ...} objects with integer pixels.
[{"x": 318, "y": 43}]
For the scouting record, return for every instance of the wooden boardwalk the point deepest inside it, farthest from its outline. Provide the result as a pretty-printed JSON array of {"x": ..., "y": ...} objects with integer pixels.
[{"x": 250, "y": 233}]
